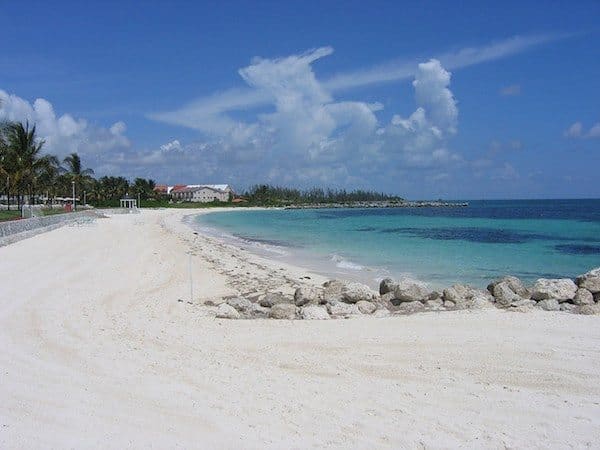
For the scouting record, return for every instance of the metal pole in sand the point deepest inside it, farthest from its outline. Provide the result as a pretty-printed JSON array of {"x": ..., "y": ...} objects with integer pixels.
[{"x": 190, "y": 266}]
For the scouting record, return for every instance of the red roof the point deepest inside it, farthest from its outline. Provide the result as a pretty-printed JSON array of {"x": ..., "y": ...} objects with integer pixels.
[
  {"x": 161, "y": 188},
  {"x": 179, "y": 187}
]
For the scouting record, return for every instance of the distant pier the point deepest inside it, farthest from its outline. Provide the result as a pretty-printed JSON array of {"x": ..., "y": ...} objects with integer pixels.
[{"x": 381, "y": 204}]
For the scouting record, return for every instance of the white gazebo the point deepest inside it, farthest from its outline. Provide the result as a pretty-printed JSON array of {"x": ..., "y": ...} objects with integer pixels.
[{"x": 128, "y": 202}]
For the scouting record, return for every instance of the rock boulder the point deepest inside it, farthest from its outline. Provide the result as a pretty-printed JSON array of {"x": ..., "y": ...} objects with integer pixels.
[
  {"x": 314, "y": 312},
  {"x": 408, "y": 290},
  {"x": 366, "y": 307},
  {"x": 273, "y": 298},
  {"x": 590, "y": 280},
  {"x": 285, "y": 311},
  {"x": 225, "y": 311},
  {"x": 307, "y": 295},
  {"x": 562, "y": 289},
  {"x": 356, "y": 292},
  {"x": 583, "y": 297}
]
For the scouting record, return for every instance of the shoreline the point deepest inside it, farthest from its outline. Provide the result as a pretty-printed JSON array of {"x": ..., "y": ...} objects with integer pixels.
[{"x": 103, "y": 348}]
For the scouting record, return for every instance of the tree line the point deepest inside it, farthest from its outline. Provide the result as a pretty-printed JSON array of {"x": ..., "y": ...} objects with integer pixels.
[
  {"x": 272, "y": 195},
  {"x": 29, "y": 176}
]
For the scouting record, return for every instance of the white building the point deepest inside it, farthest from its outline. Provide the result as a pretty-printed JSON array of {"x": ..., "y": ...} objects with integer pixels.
[{"x": 201, "y": 193}]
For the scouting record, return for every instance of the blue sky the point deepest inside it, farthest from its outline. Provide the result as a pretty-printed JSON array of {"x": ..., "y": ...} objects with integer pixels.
[{"x": 427, "y": 100}]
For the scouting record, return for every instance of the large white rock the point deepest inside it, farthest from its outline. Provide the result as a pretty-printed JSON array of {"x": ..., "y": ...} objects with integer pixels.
[
  {"x": 513, "y": 283},
  {"x": 307, "y": 294},
  {"x": 366, "y": 307},
  {"x": 314, "y": 312},
  {"x": 549, "y": 304},
  {"x": 286, "y": 311},
  {"x": 504, "y": 295},
  {"x": 341, "y": 309},
  {"x": 332, "y": 291},
  {"x": 409, "y": 290},
  {"x": 225, "y": 311},
  {"x": 466, "y": 297},
  {"x": 561, "y": 289},
  {"x": 583, "y": 297},
  {"x": 590, "y": 280},
  {"x": 356, "y": 292}
]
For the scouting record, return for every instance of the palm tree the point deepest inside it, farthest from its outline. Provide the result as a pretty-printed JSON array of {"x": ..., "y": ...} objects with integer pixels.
[
  {"x": 73, "y": 169},
  {"x": 26, "y": 163}
]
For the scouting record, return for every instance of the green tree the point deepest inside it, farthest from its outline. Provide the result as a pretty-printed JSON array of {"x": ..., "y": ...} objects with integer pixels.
[{"x": 24, "y": 159}]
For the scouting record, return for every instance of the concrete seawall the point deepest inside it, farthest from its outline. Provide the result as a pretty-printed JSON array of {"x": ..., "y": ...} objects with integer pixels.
[{"x": 16, "y": 230}]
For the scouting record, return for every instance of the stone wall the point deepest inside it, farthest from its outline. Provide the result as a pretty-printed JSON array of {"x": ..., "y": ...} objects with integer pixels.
[{"x": 16, "y": 230}]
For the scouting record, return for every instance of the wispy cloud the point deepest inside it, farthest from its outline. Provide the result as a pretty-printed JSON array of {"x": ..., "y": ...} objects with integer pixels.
[
  {"x": 469, "y": 56},
  {"x": 209, "y": 114},
  {"x": 513, "y": 89}
]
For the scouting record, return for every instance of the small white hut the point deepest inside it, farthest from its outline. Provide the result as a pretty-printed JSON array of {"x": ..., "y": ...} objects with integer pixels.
[{"x": 128, "y": 202}]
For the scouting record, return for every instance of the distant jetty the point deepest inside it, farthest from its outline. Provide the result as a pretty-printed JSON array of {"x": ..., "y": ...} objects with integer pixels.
[{"x": 381, "y": 204}]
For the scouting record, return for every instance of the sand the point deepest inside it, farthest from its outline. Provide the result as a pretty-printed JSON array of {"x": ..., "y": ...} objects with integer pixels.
[{"x": 101, "y": 349}]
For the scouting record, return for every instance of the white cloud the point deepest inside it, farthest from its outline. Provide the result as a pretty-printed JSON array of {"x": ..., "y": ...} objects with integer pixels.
[
  {"x": 306, "y": 136},
  {"x": 172, "y": 146},
  {"x": 594, "y": 131},
  {"x": 210, "y": 114},
  {"x": 64, "y": 134},
  {"x": 576, "y": 131},
  {"x": 513, "y": 89}
]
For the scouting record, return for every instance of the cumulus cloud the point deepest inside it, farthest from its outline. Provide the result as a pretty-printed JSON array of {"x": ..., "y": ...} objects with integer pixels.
[
  {"x": 64, "y": 134},
  {"x": 576, "y": 131},
  {"x": 304, "y": 135}
]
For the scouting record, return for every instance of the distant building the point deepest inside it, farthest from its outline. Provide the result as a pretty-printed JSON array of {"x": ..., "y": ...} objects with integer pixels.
[{"x": 200, "y": 193}]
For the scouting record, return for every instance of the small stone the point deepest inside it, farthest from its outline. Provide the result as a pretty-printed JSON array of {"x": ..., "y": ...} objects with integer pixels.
[
  {"x": 549, "y": 304},
  {"x": 283, "y": 311},
  {"x": 314, "y": 312},
  {"x": 366, "y": 307},
  {"x": 435, "y": 304},
  {"x": 449, "y": 304},
  {"x": 257, "y": 311},
  {"x": 589, "y": 309},
  {"x": 569, "y": 307},
  {"x": 386, "y": 285},
  {"x": 381, "y": 312},
  {"x": 307, "y": 294},
  {"x": 522, "y": 303},
  {"x": 583, "y": 297},
  {"x": 225, "y": 311},
  {"x": 240, "y": 304},
  {"x": 273, "y": 298},
  {"x": 411, "y": 307}
]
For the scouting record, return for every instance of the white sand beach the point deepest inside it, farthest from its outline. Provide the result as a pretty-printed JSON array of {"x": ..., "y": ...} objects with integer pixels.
[{"x": 102, "y": 348}]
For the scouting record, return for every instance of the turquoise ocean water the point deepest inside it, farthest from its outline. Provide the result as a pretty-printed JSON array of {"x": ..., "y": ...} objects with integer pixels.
[{"x": 526, "y": 238}]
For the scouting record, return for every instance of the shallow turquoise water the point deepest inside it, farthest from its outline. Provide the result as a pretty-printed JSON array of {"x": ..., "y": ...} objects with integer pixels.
[{"x": 528, "y": 239}]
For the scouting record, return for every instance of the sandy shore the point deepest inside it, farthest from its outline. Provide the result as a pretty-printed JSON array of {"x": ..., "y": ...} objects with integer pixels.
[{"x": 102, "y": 347}]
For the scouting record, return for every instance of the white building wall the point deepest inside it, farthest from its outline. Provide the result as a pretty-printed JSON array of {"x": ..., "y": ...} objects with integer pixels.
[{"x": 205, "y": 195}]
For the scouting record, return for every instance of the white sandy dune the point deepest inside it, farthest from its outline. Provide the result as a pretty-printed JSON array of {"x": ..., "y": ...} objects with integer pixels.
[{"x": 97, "y": 352}]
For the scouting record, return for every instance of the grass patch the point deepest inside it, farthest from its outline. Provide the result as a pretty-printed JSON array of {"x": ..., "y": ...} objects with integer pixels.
[{"x": 9, "y": 215}]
